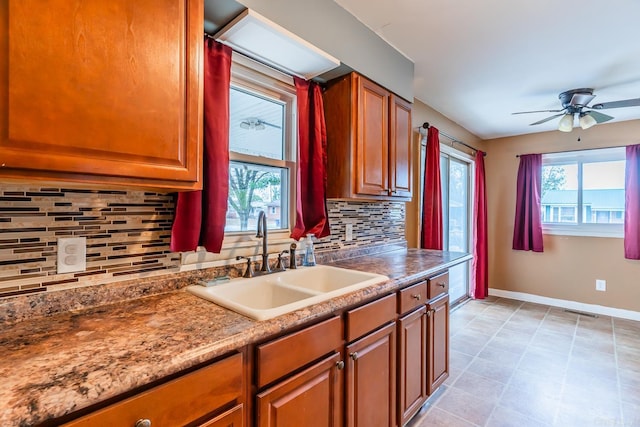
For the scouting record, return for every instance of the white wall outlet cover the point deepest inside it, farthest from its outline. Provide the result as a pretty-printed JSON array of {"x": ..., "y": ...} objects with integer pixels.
[
  {"x": 72, "y": 254},
  {"x": 601, "y": 285},
  {"x": 348, "y": 232}
]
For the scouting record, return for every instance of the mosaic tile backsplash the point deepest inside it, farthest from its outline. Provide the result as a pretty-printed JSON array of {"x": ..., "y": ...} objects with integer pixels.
[{"x": 128, "y": 234}]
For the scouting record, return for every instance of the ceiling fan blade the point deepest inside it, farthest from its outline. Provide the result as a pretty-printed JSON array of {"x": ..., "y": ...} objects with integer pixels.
[
  {"x": 547, "y": 119},
  {"x": 600, "y": 118},
  {"x": 635, "y": 102},
  {"x": 538, "y": 111}
]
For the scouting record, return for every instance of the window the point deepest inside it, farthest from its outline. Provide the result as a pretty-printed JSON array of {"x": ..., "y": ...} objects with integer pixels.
[
  {"x": 261, "y": 135},
  {"x": 583, "y": 192}
]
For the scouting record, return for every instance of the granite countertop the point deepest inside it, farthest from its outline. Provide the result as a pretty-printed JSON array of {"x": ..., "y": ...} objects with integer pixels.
[{"x": 55, "y": 365}]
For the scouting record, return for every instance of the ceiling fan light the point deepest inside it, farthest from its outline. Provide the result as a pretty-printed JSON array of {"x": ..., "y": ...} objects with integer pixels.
[
  {"x": 587, "y": 120},
  {"x": 566, "y": 123}
]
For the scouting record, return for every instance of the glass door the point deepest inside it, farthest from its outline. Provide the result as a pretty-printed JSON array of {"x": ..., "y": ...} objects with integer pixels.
[{"x": 455, "y": 176}]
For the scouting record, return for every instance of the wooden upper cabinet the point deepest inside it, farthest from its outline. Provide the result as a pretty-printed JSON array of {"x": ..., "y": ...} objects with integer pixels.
[
  {"x": 102, "y": 92},
  {"x": 400, "y": 147},
  {"x": 368, "y": 141},
  {"x": 372, "y": 141}
]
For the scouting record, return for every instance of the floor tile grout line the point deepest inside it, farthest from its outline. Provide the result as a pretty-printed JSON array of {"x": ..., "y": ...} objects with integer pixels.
[
  {"x": 566, "y": 369},
  {"x": 615, "y": 358}
]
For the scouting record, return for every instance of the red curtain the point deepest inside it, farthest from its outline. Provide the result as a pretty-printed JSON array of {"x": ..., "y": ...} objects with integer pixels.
[
  {"x": 431, "y": 237},
  {"x": 632, "y": 203},
  {"x": 200, "y": 215},
  {"x": 311, "y": 207},
  {"x": 480, "y": 263},
  {"x": 527, "y": 228}
]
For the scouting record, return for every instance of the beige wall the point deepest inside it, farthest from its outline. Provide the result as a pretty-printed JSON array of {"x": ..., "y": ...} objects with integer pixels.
[
  {"x": 569, "y": 265},
  {"x": 421, "y": 113}
]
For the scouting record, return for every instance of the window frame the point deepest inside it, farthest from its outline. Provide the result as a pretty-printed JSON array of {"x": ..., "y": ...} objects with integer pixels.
[
  {"x": 252, "y": 76},
  {"x": 580, "y": 157}
]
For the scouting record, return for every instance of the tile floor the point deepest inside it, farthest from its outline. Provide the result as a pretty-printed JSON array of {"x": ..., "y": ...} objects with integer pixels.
[{"x": 516, "y": 364}]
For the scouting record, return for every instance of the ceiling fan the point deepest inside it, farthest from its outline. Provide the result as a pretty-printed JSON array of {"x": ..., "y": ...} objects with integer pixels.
[{"x": 575, "y": 103}]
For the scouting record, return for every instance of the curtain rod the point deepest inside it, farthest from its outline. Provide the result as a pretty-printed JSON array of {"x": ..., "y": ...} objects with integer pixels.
[
  {"x": 584, "y": 149},
  {"x": 426, "y": 125}
]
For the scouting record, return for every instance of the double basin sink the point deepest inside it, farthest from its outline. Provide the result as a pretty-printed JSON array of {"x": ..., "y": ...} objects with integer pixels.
[{"x": 269, "y": 296}]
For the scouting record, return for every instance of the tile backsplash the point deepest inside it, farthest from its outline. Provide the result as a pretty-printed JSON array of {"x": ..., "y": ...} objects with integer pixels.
[{"x": 128, "y": 234}]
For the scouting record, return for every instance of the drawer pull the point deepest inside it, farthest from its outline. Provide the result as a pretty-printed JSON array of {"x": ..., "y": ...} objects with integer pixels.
[
  {"x": 354, "y": 355},
  {"x": 416, "y": 297},
  {"x": 442, "y": 284},
  {"x": 340, "y": 365},
  {"x": 143, "y": 422}
]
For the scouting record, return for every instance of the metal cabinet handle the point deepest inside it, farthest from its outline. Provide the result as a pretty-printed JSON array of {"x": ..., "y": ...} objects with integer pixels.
[
  {"x": 340, "y": 365},
  {"x": 416, "y": 297},
  {"x": 143, "y": 422},
  {"x": 442, "y": 284},
  {"x": 354, "y": 355}
]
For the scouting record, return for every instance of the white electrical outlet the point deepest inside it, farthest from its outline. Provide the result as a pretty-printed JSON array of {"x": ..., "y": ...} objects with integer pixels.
[
  {"x": 348, "y": 232},
  {"x": 72, "y": 254},
  {"x": 601, "y": 285}
]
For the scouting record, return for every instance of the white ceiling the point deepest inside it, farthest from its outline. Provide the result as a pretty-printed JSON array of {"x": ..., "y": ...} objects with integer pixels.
[{"x": 477, "y": 61}]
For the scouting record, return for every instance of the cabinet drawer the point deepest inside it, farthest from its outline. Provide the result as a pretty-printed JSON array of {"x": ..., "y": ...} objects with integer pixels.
[
  {"x": 370, "y": 316},
  {"x": 283, "y": 355},
  {"x": 234, "y": 417},
  {"x": 178, "y": 402},
  {"x": 438, "y": 285},
  {"x": 412, "y": 297}
]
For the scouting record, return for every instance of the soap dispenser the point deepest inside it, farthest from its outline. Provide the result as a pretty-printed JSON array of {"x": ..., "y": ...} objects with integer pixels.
[{"x": 309, "y": 255}]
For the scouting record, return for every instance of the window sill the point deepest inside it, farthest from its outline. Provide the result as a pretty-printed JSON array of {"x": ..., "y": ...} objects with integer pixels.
[{"x": 591, "y": 230}]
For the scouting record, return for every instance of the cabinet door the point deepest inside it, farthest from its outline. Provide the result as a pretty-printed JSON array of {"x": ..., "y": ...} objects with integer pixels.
[
  {"x": 371, "y": 379},
  {"x": 412, "y": 369},
  {"x": 311, "y": 398},
  {"x": 400, "y": 147},
  {"x": 438, "y": 340},
  {"x": 102, "y": 91},
  {"x": 372, "y": 154}
]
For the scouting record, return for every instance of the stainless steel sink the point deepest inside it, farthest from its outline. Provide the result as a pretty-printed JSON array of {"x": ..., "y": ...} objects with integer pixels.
[{"x": 269, "y": 296}]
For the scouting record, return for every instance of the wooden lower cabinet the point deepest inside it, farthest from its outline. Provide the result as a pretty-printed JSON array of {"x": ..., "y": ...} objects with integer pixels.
[
  {"x": 370, "y": 378},
  {"x": 412, "y": 363},
  {"x": 311, "y": 398},
  {"x": 438, "y": 342},
  {"x": 187, "y": 400}
]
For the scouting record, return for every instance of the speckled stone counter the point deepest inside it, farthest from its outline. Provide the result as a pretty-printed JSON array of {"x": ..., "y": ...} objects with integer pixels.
[{"x": 55, "y": 365}]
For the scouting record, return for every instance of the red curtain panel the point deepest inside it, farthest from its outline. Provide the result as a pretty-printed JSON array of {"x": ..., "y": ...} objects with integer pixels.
[
  {"x": 201, "y": 215},
  {"x": 632, "y": 203},
  {"x": 431, "y": 236},
  {"x": 527, "y": 228},
  {"x": 480, "y": 263},
  {"x": 311, "y": 207}
]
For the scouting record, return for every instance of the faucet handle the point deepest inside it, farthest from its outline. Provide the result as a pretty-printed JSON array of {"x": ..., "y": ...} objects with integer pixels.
[
  {"x": 292, "y": 256},
  {"x": 249, "y": 271},
  {"x": 280, "y": 266}
]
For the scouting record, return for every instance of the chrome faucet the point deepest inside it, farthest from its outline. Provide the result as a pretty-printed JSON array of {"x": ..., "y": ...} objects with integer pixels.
[{"x": 262, "y": 232}]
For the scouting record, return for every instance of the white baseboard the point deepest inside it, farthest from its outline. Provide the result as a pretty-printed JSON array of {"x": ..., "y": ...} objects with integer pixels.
[{"x": 571, "y": 305}]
